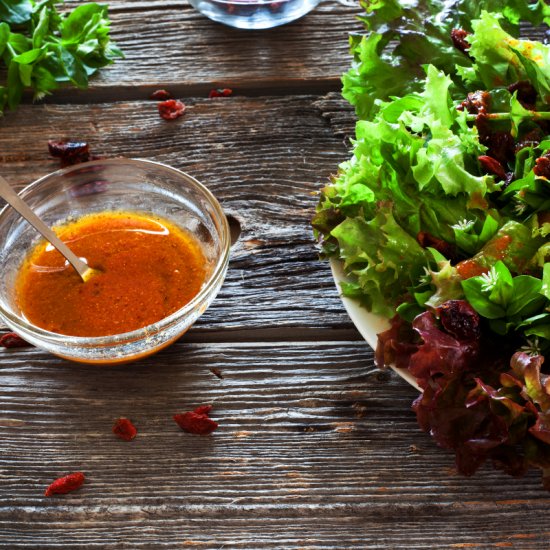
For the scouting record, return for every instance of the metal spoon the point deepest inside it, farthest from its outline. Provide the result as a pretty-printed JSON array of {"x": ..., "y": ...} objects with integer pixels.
[{"x": 18, "y": 204}]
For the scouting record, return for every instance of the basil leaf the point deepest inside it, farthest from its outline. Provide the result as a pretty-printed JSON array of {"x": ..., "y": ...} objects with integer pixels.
[
  {"x": 51, "y": 47},
  {"x": 473, "y": 290},
  {"x": 25, "y": 73},
  {"x": 15, "y": 12},
  {"x": 526, "y": 298},
  {"x": 15, "y": 87},
  {"x": 4, "y": 36},
  {"x": 28, "y": 57}
]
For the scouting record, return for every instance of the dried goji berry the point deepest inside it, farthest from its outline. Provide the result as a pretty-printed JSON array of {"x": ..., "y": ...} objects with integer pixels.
[
  {"x": 220, "y": 92},
  {"x": 458, "y": 37},
  {"x": 203, "y": 409},
  {"x": 197, "y": 421},
  {"x": 171, "y": 109},
  {"x": 124, "y": 429},
  {"x": 526, "y": 93},
  {"x": 493, "y": 166},
  {"x": 426, "y": 240},
  {"x": 12, "y": 340},
  {"x": 216, "y": 372},
  {"x": 161, "y": 95},
  {"x": 69, "y": 152},
  {"x": 65, "y": 484},
  {"x": 542, "y": 167}
]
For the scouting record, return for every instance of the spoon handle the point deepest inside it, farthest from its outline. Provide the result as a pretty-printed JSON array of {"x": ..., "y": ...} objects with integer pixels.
[{"x": 18, "y": 204}]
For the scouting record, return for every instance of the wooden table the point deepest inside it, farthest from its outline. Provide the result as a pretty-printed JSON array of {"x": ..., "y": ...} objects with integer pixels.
[{"x": 316, "y": 447}]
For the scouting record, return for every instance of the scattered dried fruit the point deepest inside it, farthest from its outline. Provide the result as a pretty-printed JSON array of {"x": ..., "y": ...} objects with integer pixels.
[
  {"x": 124, "y": 429},
  {"x": 220, "y": 92},
  {"x": 197, "y": 421},
  {"x": 171, "y": 109},
  {"x": 216, "y": 372},
  {"x": 161, "y": 95},
  {"x": 65, "y": 484},
  {"x": 69, "y": 152},
  {"x": 12, "y": 340}
]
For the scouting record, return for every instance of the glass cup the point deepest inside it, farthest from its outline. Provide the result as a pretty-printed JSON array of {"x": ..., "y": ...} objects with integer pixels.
[
  {"x": 104, "y": 185},
  {"x": 254, "y": 14}
]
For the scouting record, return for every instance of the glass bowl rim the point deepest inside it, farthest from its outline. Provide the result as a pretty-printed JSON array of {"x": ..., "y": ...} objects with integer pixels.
[
  {"x": 154, "y": 328},
  {"x": 245, "y": 3}
]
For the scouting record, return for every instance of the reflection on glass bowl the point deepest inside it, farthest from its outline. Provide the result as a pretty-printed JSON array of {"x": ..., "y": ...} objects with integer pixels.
[{"x": 254, "y": 14}]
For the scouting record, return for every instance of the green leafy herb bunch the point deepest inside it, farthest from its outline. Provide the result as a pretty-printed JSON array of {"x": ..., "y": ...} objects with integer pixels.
[{"x": 42, "y": 48}]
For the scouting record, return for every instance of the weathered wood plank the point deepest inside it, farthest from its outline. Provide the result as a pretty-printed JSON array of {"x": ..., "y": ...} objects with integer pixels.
[
  {"x": 169, "y": 44},
  {"x": 263, "y": 157},
  {"x": 316, "y": 448}
]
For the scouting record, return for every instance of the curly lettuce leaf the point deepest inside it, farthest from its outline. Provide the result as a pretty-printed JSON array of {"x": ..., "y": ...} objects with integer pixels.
[
  {"x": 383, "y": 258},
  {"x": 386, "y": 61},
  {"x": 502, "y": 59}
]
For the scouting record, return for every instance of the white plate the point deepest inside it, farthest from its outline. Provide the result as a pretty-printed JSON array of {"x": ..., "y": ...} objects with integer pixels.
[{"x": 368, "y": 324}]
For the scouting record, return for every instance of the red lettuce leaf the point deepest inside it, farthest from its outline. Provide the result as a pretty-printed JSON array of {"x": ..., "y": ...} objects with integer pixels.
[{"x": 480, "y": 398}]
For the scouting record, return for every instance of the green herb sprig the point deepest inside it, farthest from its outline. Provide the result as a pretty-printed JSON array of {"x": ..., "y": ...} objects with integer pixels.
[{"x": 42, "y": 48}]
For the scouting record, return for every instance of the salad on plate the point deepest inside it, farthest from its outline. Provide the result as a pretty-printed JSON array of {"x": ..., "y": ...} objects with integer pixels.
[{"x": 440, "y": 219}]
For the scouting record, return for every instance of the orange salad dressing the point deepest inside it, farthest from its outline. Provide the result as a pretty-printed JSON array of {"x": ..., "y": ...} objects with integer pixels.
[{"x": 150, "y": 268}]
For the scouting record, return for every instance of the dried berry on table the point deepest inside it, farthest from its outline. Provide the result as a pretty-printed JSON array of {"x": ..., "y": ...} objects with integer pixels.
[
  {"x": 69, "y": 152},
  {"x": 12, "y": 340},
  {"x": 65, "y": 484},
  {"x": 124, "y": 429},
  {"x": 161, "y": 95},
  {"x": 171, "y": 109},
  {"x": 203, "y": 409},
  {"x": 220, "y": 92},
  {"x": 197, "y": 421},
  {"x": 216, "y": 372}
]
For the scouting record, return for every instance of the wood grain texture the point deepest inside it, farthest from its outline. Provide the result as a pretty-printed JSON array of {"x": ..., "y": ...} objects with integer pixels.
[
  {"x": 168, "y": 44},
  {"x": 315, "y": 449},
  {"x": 264, "y": 158},
  {"x": 171, "y": 45}
]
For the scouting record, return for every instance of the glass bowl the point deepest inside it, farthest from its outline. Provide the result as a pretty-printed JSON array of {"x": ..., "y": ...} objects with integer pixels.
[
  {"x": 254, "y": 14},
  {"x": 104, "y": 185}
]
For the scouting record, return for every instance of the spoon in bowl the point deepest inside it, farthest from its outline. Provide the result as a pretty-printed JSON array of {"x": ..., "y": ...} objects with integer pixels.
[{"x": 22, "y": 208}]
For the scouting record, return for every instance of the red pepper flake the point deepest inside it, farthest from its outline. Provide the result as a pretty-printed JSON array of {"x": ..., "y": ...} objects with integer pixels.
[
  {"x": 220, "y": 92},
  {"x": 12, "y": 340},
  {"x": 65, "y": 484},
  {"x": 197, "y": 421},
  {"x": 216, "y": 372},
  {"x": 124, "y": 429},
  {"x": 161, "y": 95},
  {"x": 69, "y": 152},
  {"x": 171, "y": 109}
]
